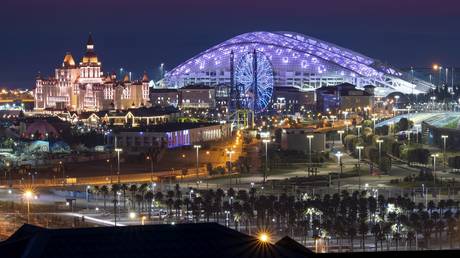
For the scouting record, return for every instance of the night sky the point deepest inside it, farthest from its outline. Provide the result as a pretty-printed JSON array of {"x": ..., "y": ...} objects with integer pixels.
[{"x": 140, "y": 34}]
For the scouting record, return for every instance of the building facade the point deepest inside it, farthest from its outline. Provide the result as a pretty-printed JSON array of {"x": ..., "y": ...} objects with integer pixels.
[
  {"x": 343, "y": 97},
  {"x": 84, "y": 87}
]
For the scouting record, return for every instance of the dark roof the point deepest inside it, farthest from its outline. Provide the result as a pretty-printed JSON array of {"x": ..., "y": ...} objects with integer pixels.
[
  {"x": 90, "y": 40},
  {"x": 197, "y": 87},
  {"x": 167, "y": 90},
  {"x": 167, "y": 127},
  {"x": 287, "y": 88},
  {"x": 181, "y": 240}
]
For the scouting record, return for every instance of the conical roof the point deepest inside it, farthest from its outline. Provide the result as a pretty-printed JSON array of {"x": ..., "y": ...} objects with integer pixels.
[
  {"x": 68, "y": 62},
  {"x": 145, "y": 78},
  {"x": 126, "y": 78}
]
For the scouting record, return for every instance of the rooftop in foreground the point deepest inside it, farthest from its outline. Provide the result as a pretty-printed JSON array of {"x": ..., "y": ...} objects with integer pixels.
[{"x": 181, "y": 240}]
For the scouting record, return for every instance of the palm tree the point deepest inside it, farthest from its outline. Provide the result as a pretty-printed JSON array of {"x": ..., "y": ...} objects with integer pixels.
[
  {"x": 351, "y": 232},
  {"x": 375, "y": 230},
  {"x": 138, "y": 198},
  {"x": 133, "y": 190},
  {"x": 105, "y": 192},
  {"x": 124, "y": 188},
  {"x": 363, "y": 229},
  {"x": 149, "y": 198}
]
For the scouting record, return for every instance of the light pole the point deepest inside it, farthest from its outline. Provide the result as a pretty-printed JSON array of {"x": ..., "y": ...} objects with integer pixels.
[
  {"x": 359, "y": 148},
  {"x": 151, "y": 168},
  {"x": 444, "y": 138},
  {"x": 340, "y": 132},
  {"x": 434, "y": 156},
  {"x": 373, "y": 120},
  {"x": 379, "y": 141},
  {"x": 358, "y": 127},
  {"x": 229, "y": 153},
  {"x": 87, "y": 196},
  {"x": 309, "y": 137},
  {"x": 339, "y": 161},
  {"x": 63, "y": 172},
  {"x": 118, "y": 150},
  {"x": 197, "y": 147},
  {"x": 333, "y": 119},
  {"x": 28, "y": 195},
  {"x": 339, "y": 155},
  {"x": 266, "y": 141}
]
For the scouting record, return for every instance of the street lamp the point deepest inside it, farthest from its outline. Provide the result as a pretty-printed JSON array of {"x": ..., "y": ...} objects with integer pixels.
[
  {"x": 87, "y": 196},
  {"x": 444, "y": 138},
  {"x": 333, "y": 119},
  {"x": 434, "y": 156},
  {"x": 359, "y": 148},
  {"x": 339, "y": 155},
  {"x": 379, "y": 141},
  {"x": 340, "y": 132},
  {"x": 28, "y": 195},
  {"x": 266, "y": 141},
  {"x": 118, "y": 150},
  {"x": 373, "y": 120},
  {"x": 151, "y": 167},
  {"x": 197, "y": 147},
  {"x": 309, "y": 137},
  {"x": 229, "y": 153},
  {"x": 359, "y": 130}
]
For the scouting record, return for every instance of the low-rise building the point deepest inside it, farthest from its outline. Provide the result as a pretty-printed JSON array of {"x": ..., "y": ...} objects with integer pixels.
[
  {"x": 170, "y": 135},
  {"x": 164, "y": 97},
  {"x": 344, "y": 97},
  {"x": 291, "y": 99},
  {"x": 197, "y": 96}
]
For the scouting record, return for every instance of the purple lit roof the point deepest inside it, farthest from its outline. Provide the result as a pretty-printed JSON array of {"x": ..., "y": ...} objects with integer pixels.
[{"x": 289, "y": 51}]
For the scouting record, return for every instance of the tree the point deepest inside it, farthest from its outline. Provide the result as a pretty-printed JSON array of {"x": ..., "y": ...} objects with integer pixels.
[
  {"x": 363, "y": 229},
  {"x": 133, "y": 190},
  {"x": 149, "y": 198},
  {"x": 105, "y": 192}
]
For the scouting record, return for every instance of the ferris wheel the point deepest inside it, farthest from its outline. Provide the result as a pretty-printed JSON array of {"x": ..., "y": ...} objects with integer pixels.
[{"x": 254, "y": 80}]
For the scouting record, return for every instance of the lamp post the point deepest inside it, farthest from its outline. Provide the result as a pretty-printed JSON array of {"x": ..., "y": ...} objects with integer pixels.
[
  {"x": 151, "y": 168},
  {"x": 118, "y": 150},
  {"x": 434, "y": 156},
  {"x": 266, "y": 141},
  {"x": 63, "y": 172},
  {"x": 379, "y": 141},
  {"x": 339, "y": 155},
  {"x": 444, "y": 138},
  {"x": 229, "y": 153},
  {"x": 358, "y": 127},
  {"x": 359, "y": 148},
  {"x": 333, "y": 119},
  {"x": 373, "y": 120},
  {"x": 28, "y": 195},
  {"x": 87, "y": 196},
  {"x": 339, "y": 161},
  {"x": 309, "y": 137},
  {"x": 340, "y": 132},
  {"x": 197, "y": 147}
]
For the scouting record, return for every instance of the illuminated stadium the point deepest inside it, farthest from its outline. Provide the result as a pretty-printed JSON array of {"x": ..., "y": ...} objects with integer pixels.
[{"x": 291, "y": 59}]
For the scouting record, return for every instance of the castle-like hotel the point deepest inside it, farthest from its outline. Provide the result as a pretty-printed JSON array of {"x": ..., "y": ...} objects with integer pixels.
[{"x": 84, "y": 87}]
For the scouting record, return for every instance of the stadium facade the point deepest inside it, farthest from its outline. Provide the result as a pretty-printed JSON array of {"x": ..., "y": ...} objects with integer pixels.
[{"x": 295, "y": 60}]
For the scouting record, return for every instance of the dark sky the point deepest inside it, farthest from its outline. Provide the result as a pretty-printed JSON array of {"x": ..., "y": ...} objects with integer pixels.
[{"x": 140, "y": 34}]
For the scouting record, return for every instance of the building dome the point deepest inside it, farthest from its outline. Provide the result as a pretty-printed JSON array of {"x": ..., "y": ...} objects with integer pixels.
[{"x": 40, "y": 129}]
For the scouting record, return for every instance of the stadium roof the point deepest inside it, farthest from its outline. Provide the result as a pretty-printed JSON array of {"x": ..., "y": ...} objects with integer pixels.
[{"x": 308, "y": 52}]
